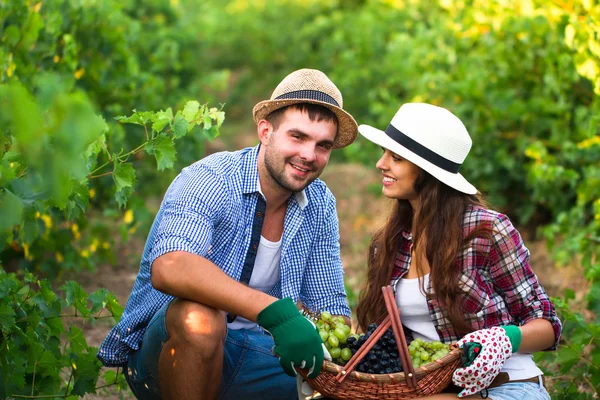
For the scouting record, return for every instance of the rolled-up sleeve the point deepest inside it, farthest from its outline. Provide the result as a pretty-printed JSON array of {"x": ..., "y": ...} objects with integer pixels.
[
  {"x": 526, "y": 299},
  {"x": 323, "y": 282},
  {"x": 193, "y": 205}
]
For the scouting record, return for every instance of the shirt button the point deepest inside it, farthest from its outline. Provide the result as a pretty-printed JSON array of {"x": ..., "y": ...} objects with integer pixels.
[
  {"x": 254, "y": 247},
  {"x": 259, "y": 214}
]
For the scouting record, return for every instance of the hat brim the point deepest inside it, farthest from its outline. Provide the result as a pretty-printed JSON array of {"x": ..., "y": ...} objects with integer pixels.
[
  {"x": 454, "y": 180},
  {"x": 347, "y": 126}
]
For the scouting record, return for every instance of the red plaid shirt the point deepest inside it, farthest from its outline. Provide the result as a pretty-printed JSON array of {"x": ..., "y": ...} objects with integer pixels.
[{"x": 499, "y": 286}]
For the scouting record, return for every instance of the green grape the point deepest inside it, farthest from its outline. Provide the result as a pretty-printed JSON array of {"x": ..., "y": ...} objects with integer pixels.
[
  {"x": 339, "y": 333},
  {"x": 333, "y": 341},
  {"x": 346, "y": 354},
  {"x": 326, "y": 316},
  {"x": 336, "y": 352},
  {"x": 324, "y": 335},
  {"x": 346, "y": 329}
]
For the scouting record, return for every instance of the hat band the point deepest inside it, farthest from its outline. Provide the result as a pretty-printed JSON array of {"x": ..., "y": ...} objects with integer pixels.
[
  {"x": 421, "y": 150},
  {"x": 308, "y": 95}
]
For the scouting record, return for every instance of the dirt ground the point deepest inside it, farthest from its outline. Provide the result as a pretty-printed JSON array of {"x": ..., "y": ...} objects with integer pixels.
[{"x": 360, "y": 212}]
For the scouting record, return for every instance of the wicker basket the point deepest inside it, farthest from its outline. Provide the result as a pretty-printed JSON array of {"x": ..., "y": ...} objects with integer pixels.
[{"x": 342, "y": 382}]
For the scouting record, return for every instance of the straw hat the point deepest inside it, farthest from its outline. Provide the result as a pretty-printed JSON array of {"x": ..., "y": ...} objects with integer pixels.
[
  {"x": 310, "y": 86},
  {"x": 429, "y": 136}
]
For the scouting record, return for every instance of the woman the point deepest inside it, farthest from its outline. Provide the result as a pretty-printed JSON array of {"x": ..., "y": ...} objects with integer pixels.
[{"x": 459, "y": 269}]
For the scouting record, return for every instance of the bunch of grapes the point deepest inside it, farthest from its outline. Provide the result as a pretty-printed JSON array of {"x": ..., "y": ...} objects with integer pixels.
[
  {"x": 422, "y": 352},
  {"x": 383, "y": 358},
  {"x": 335, "y": 334}
]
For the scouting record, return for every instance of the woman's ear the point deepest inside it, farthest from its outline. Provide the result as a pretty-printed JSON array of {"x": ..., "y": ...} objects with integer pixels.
[{"x": 264, "y": 130}]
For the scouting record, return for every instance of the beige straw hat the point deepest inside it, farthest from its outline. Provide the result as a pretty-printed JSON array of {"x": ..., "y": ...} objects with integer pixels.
[{"x": 310, "y": 86}]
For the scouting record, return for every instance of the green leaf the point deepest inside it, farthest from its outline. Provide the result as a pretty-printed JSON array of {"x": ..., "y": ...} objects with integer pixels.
[
  {"x": 218, "y": 116},
  {"x": 48, "y": 360},
  {"x": 77, "y": 340},
  {"x": 161, "y": 119},
  {"x": 211, "y": 133},
  {"x": 566, "y": 358},
  {"x": 179, "y": 127},
  {"x": 137, "y": 118},
  {"x": 164, "y": 151},
  {"x": 122, "y": 196},
  {"x": 4, "y": 145},
  {"x": 593, "y": 298},
  {"x": 7, "y": 317},
  {"x": 76, "y": 297},
  {"x": 86, "y": 373},
  {"x": 207, "y": 122},
  {"x": 98, "y": 299},
  {"x": 123, "y": 175},
  {"x": 569, "y": 295},
  {"x": 124, "y": 178},
  {"x": 11, "y": 209},
  {"x": 114, "y": 307},
  {"x": 110, "y": 376},
  {"x": 190, "y": 110}
]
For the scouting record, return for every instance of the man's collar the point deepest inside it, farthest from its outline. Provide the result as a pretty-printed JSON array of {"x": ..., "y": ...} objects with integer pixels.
[{"x": 251, "y": 181}]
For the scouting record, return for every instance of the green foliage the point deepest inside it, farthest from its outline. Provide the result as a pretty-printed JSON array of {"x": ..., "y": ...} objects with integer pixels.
[
  {"x": 43, "y": 350},
  {"x": 74, "y": 177},
  {"x": 577, "y": 357}
]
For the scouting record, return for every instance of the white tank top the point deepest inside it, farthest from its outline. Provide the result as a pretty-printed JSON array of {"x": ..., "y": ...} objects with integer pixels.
[
  {"x": 265, "y": 276},
  {"x": 415, "y": 316}
]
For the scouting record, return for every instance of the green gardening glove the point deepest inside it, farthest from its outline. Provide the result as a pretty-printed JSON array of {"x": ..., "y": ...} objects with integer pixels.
[{"x": 297, "y": 342}]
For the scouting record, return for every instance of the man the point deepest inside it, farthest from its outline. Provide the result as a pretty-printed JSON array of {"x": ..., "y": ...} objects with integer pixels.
[{"x": 238, "y": 239}]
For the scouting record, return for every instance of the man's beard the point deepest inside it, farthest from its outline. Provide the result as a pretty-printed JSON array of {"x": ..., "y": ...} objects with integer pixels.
[{"x": 279, "y": 175}]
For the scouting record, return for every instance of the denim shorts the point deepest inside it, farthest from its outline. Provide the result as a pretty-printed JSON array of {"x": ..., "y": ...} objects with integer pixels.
[
  {"x": 519, "y": 391},
  {"x": 250, "y": 370}
]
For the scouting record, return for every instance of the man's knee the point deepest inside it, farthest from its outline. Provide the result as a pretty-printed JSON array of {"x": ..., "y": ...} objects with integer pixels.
[{"x": 196, "y": 324}]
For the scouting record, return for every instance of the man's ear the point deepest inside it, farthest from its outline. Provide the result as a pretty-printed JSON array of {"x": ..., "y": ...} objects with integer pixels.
[{"x": 264, "y": 130}]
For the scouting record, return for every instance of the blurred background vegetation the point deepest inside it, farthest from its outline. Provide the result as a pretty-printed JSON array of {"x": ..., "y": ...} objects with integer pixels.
[{"x": 78, "y": 187}]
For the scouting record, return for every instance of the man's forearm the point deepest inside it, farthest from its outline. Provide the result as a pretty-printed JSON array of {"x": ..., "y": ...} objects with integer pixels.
[{"x": 192, "y": 277}]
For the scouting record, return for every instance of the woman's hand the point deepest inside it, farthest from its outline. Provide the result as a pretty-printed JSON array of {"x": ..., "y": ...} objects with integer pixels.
[{"x": 496, "y": 346}]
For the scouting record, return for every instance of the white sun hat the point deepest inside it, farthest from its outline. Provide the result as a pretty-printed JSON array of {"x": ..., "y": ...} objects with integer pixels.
[{"x": 430, "y": 137}]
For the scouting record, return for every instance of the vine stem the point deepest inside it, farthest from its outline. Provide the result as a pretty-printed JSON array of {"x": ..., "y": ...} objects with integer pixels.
[
  {"x": 33, "y": 381},
  {"x": 105, "y": 150},
  {"x": 101, "y": 175},
  {"x": 134, "y": 151},
  {"x": 69, "y": 383}
]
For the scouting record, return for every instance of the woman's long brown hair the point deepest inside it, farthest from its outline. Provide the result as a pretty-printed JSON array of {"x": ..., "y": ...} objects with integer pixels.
[{"x": 438, "y": 232}]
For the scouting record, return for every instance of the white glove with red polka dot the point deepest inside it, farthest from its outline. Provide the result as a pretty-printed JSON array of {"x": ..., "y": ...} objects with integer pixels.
[{"x": 496, "y": 348}]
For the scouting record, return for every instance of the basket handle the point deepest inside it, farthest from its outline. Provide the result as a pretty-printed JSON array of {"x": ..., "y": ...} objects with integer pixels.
[
  {"x": 393, "y": 320},
  {"x": 394, "y": 313}
]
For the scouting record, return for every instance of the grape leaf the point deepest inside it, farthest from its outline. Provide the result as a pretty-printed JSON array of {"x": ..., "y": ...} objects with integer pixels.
[
  {"x": 190, "y": 110},
  {"x": 123, "y": 175},
  {"x": 161, "y": 119},
  {"x": 137, "y": 118},
  {"x": 124, "y": 178},
  {"x": 180, "y": 127},
  {"x": 164, "y": 151},
  {"x": 98, "y": 299},
  {"x": 86, "y": 373},
  {"x": 76, "y": 297},
  {"x": 7, "y": 317},
  {"x": 11, "y": 209}
]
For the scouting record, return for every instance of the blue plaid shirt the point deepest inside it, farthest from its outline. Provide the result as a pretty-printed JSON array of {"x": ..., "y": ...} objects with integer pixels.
[{"x": 208, "y": 210}]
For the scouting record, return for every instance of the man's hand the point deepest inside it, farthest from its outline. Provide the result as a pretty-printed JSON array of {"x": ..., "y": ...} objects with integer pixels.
[{"x": 297, "y": 342}]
